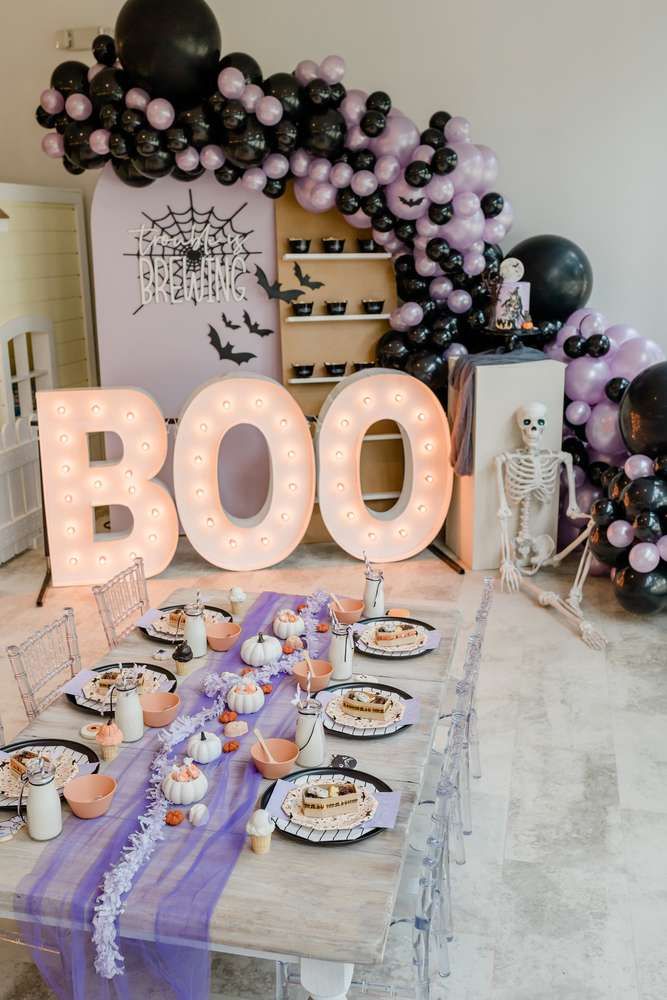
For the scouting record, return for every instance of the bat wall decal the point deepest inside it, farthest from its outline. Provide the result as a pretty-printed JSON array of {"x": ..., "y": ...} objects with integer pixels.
[
  {"x": 410, "y": 202},
  {"x": 305, "y": 279},
  {"x": 228, "y": 323},
  {"x": 227, "y": 352},
  {"x": 254, "y": 327},
  {"x": 274, "y": 290}
]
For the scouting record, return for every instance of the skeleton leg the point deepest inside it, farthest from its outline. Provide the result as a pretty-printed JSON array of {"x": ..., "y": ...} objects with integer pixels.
[{"x": 549, "y": 599}]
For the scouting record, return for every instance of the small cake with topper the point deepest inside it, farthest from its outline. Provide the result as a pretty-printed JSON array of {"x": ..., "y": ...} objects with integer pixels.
[
  {"x": 395, "y": 635},
  {"x": 237, "y": 598},
  {"x": 259, "y": 828},
  {"x": 109, "y": 738},
  {"x": 511, "y": 306},
  {"x": 364, "y": 703},
  {"x": 329, "y": 798}
]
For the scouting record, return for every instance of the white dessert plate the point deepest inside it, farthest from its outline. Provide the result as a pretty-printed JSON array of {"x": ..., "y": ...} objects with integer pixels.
[
  {"x": 365, "y": 643},
  {"x": 337, "y": 721},
  {"x": 160, "y": 630},
  {"x": 67, "y": 755}
]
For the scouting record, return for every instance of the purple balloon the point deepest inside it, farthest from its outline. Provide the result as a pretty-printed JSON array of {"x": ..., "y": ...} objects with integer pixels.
[
  {"x": 620, "y": 534},
  {"x": 473, "y": 263},
  {"x": 457, "y": 129},
  {"x": 395, "y": 246},
  {"x": 251, "y": 96},
  {"x": 634, "y": 356},
  {"x": 555, "y": 353},
  {"x": 620, "y": 333},
  {"x": 254, "y": 179},
  {"x": 577, "y": 413},
  {"x": 269, "y": 111},
  {"x": 399, "y": 138},
  {"x": 53, "y": 145},
  {"x": 638, "y": 466},
  {"x": 460, "y": 233},
  {"x": 494, "y": 231},
  {"x": 382, "y": 238},
  {"x": 426, "y": 228},
  {"x": 231, "y": 83},
  {"x": 420, "y": 242},
  {"x": 586, "y": 495},
  {"x": 424, "y": 153},
  {"x": 355, "y": 139},
  {"x": 137, "y": 99},
  {"x": 489, "y": 170},
  {"x": 469, "y": 168},
  {"x": 400, "y": 192},
  {"x": 99, "y": 141},
  {"x": 275, "y": 165},
  {"x": 411, "y": 313},
  {"x": 387, "y": 169},
  {"x": 299, "y": 162},
  {"x": 459, "y": 301},
  {"x": 662, "y": 547},
  {"x": 396, "y": 321},
  {"x": 424, "y": 266},
  {"x": 507, "y": 215},
  {"x": 211, "y": 157},
  {"x": 306, "y": 71},
  {"x": 579, "y": 477},
  {"x": 576, "y": 317},
  {"x": 364, "y": 182},
  {"x": 160, "y": 113},
  {"x": 52, "y": 101},
  {"x": 568, "y": 530},
  {"x": 565, "y": 332},
  {"x": 353, "y": 106},
  {"x": 465, "y": 204},
  {"x": 360, "y": 220},
  {"x": 440, "y": 288},
  {"x": 187, "y": 159},
  {"x": 78, "y": 107},
  {"x": 591, "y": 324},
  {"x": 332, "y": 69},
  {"x": 456, "y": 351},
  {"x": 315, "y": 196},
  {"x": 341, "y": 175},
  {"x": 585, "y": 379},
  {"x": 602, "y": 430},
  {"x": 319, "y": 169},
  {"x": 644, "y": 557},
  {"x": 440, "y": 189}
]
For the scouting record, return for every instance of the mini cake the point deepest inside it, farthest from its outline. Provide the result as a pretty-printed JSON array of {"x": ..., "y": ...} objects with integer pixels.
[
  {"x": 20, "y": 761},
  {"x": 363, "y": 703},
  {"x": 176, "y": 618},
  {"x": 259, "y": 828},
  {"x": 109, "y": 739},
  {"x": 329, "y": 799},
  {"x": 108, "y": 679},
  {"x": 393, "y": 635}
]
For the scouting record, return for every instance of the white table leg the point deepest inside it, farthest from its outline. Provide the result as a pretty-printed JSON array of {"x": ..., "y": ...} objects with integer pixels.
[{"x": 326, "y": 980}]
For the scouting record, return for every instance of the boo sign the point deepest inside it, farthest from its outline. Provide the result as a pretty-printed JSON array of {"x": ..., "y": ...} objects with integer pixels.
[{"x": 329, "y": 466}]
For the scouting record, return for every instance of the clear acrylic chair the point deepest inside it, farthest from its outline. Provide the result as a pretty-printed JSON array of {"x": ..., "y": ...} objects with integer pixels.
[
  {"x": 2, "y": 734},
  {"x": 44, "y": 662},
  {"x": 121, "y": 601}
]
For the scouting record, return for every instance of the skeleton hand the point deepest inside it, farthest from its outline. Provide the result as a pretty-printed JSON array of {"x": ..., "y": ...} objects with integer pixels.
[
  {"x": 510, "y": 577},
  {"x": 575, "y": 514}
]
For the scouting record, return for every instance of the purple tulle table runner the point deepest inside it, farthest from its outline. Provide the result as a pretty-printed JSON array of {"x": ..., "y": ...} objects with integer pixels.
[{"x": 169, "y": 905}]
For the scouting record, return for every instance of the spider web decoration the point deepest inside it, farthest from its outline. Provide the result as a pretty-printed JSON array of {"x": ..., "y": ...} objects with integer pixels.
[{"x": 190, "y": 255}]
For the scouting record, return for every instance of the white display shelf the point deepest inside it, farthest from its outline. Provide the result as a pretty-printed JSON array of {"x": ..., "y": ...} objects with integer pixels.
[
  {"x": 314, "y": 380},
  {"x": 337, "y": 256},
  {"x": 346, "y": 317},
  {"x": 382, "y": 437},
  {"x": 391, "y": 495}
]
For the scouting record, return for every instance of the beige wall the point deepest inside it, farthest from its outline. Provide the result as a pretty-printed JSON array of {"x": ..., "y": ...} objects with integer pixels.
[{"x": 572, "y": 95}]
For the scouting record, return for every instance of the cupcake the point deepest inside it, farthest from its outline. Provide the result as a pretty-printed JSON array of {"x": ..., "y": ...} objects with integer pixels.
[
  {"x": 109, "y": 738},
  {"x": 259, "y": 828},
  {"x": 237, "y": 599}
]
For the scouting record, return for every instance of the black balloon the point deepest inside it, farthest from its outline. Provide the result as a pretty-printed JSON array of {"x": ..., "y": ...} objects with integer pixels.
[
  {"x": 418, "y": 335},
  {"x": 431, "y": 137},
  {"x": 250, "y": 68},
  {"x": 643, "y": 412},
  {"x": 147, "y": 141},
  {"x": 428, "y": 367},
  {"x": 104, "y": 49},
  {"x": 642, "y": 593},
  {"x": 577, "y": 449},
  {"x": 607, "y": 475},
  {"x": 43, "y": 118},
  {"x": 197, "y": 125},
  {"x": 373, "y": 123},
  {"x": 70, "y": 77},
  {"x": 384, "y": 221},
  {"x": 660, "y": 466},
  {"x": 248, "y": 146},
  {"x": 418, "y": 173},
  {"x": 170, "y": 49},
  {"x": 559, "y": 273},
  {"x": 284, "y": 136},
  {"x": 72, "y": 168},
  {"x": 452, "y": 262},
  {"x": 602, "y": 548},
  {"x": 439, "y": 119},
  {"x": 392, "y": 351},
  {"x": 645, "y": 493},
  {"x": 233, "y": 116},
  {"x": 324, "y": 133},
  {"x": 476, "y": 319},
  {"x": 411, "y": 288},
  {"x": 617, "y": 485},
  {"x": 575, "y": 346},
  {"x": 286, "y": 89},
  {"x": 362, "y": 159},
  {"x": 406, "y": 230},
  {"x": 129, "y": 175},
  {"x": 275, "y": 187},
  {"x": 132, "y": 120},
  {"x": 338, "y": 93},
  {"x": 187, "y": 175},
  {"x": 347, "y": 202},
  {"x": 157, "y": 164},
  {"x": 493, "y": 256},
  {"x": 371, "y": 204},
  {"x": 106, "y": 87},
  {"x": 437, "y": 248},
  {"x": 379, "y": 101},
  {"x": 604, "y": 511},
  {"x": 118, "y": 146},
  {"x": 648, "y": 526},
  {"x": 176, "y": 139},
  {"x": 597, "y": 345},
  {"x": 77, "y": 146},
  {"x": 492, "y": 204},
  {"x": 405, "y": 264},
  {"x": 444, "y": 160},
  {"x": 440, "y": 214},
  {"x": 595, "y": 472},
  {"x": 615, "y": 389},
  {"x": 318, "y": 94},
  {"x": 227, "y": 174},
  {"x": 109, "y": 115}
]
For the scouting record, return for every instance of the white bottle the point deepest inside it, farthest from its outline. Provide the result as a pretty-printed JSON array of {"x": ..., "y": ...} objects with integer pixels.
[
  {"x": 195, "y": 628},
  {"x": 374, "y": 593},
  {"x": 43, "y": 812},
  {"x": 309, "y": 735},
  {"x": 341, "y": 651},
  {"x": 127, "y": 707}
]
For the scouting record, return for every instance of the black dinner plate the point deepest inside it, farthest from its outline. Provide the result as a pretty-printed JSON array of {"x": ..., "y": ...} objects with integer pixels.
[
  {"x": 166, "y": 640},
  {"x": 99, "y": 710},
  {"x": 81, "y": 749},
  {"x": 325, "y": 838},
  {"x": 367, "y": 734},
  {"x": 397, "y": 654}
]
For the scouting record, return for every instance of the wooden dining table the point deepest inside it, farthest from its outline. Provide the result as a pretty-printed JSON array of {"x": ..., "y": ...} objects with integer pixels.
[{"x": 275, "y": 898}]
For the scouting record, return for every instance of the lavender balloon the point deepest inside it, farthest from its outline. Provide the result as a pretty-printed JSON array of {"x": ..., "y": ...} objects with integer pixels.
[
  {"x": 564, "y": 333},
  {"x": 187, "y": 159},
  {"x": 585, "y": 379},
  {"x": 387, "y": 168},
  {"x": 254, "y": 179},
  {"x": 620, "y": 333},
  {"x": 638, "y": 466},
  {"x": 53, "y": 145},
  {"x": 460, "y": 233},
  {"x": 465, "y": 204},
  {"x": 324, "y": 198},
  {"x": 360, "y": 220},
  {"x": 319, "y": 169},
  {"x": 137, "y": 99},
  {"x": 78, "y": 107},
  {"x": 662, "y": 547},
  {"x": 355, "y": 139},
  {"x": 251, "y": 96},
  {"x": 411, "y": 313},
  {"x": 469, "y": 168},
  {"x": 424, "y": 266},
  {"x": 332, "y": 69},
  {"x": 399, "y": 138},
  {"x": 299, "y": 162},
  {"x": 494, "y": 231},
  {"x": 591, "y": 324},
  {"x": 306, "y": 71},
  {"x": 459, "y": 301},
  {"x": 634, "y": 356},
  {"x": 381, "y": 238},
  {"x": 456, "y": 351},
  {"x": 576, "y": 317},
  {"x": 396, "y": 321},
  {"x": 440, "y": 288},
  {"x": 405, "y": 201},
  {"x": 490, "y": 170},
  {"x": 99, "y": 141},
  {"x": 424, "y": 153},
  {"x": 644, "y": 557},
  {"x": 52, "y": 101},
  {"x": 276, "y": 165},
  {"x": 602, "y": 430},
  {"x": 426, "y": 228},
  {"x": 269, "y": 111},
  {"x": 231, "y": 83},
  {"x": 364, "y": 182},
  {"x": 577, "y": 413},
  {"x": 341, "y": 175},
  {"x": 353, "y": 106},
  {"x": 439, "y": 189},
  {"x": 620, "y": 534},
  {"x": 457, "y": 129},
  {"x": 211, "y": 157},
  {"x": 473, "y": 263},
  {"x": 160, "y": 113}
]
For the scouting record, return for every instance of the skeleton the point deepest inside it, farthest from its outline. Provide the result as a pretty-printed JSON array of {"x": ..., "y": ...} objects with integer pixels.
[{"x": 529, "y": 476}]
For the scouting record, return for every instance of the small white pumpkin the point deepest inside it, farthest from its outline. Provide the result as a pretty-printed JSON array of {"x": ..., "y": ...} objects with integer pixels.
[
  {"x": 259, "y": 650},
  {"x": 287, "y": 623},
  {"x": 245, "y": 698},
  {"x": 204, "y": 747},
  {"x": 185, "y": 784},
  {"x": 199, "y": 814}
]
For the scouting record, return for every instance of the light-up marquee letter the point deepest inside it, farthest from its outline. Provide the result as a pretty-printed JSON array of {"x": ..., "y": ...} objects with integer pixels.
[
  {"x": 413, "y": 522},
  {"x": 74, "y": 486},
  {"x": 269, "y": 536}
]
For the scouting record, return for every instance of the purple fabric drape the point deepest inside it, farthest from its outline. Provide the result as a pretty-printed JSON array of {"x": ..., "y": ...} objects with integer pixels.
[{"x": 164, "y": 930}]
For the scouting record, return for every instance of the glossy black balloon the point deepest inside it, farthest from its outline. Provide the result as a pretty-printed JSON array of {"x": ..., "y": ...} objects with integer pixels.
[
  {"x": 104, "y": 50},
  {"x": 129, "y": 175},
  {"x": 648, "y": 526},
  {"x": 118, "y": 146},
  {"x": 559, "y": 273},
  {"x": 176, "y": 139},
  {"x": 392, "y": 350},
  {"x": 405, "y": 264},
  {"x": 418, "y": 173},
  {"x": 284, "y": 136},
  {"x": 285, "y": 88},
  {"x": 660, "y": 466},
  {"x": 379, "y": 101},
  {"x": 197, "y": 125},
  {"x": 318, "y": 94},
  {"x": 444, "y": 160},
  {"x": 70, "y": 77},
  {"x": 615, "y": 389},
  {"x": 170, "y": 49},
  {"x": 338, "y": 94},
  {"x": 157, "y": 164},
  {"x": 187, "y": 175},
  {"x": 275, "y": 187},
  {"x": 347, "y": 202},
  {"x": 431, "y": 137},
  {"x": 132, "y": 120},
  {"x": 493, "y": 255},
  {"x": 604, "y": 511},
  {"x": 597, "y": 345},
  {"x": 384, "y": 221},
  {"x": 62, "y": 121},
  {"x": 607, "y": 475},
  {"x": 362, "y": 159},
  {"x": 227, "y": 174},
  {"x": 578, "y": 450},
  {"x": 439, "y": 119},
  {"x": 406, "y": 230},
  {"x": 617, "y": 485},
  {"x": 43, "y": 118},
  {"x": 250, "y": 68},
  {"x": 418, "y": 335},
  {"x": 575, "y": 346},
  {"x": 437, "y": 248},
  {"x": 373, "y": 123},
  {"x": 373, "y": 203},
  {"x": 428, "y": 367},
  {"x": 72, "y": 168},
  {"x": 233, "y": 116},
  {"x": 645, "y": 493},
  {"x": 596, "y": 471},
  {"x": 492, "y": 204},
  {"x": 215, "y": 103},
  {"x": 248, "y": 146},
  {"x": 440, "y": 214},
  {"x": 602, "y": 548},
  {"x": 642, "y": 593},
  {"x": 441, "y": 338},
  {"x": 452, "y": 262},
  {"x": 109, "y": 115},
  {"x": 476, "y": 320},
  {"x": 324, "y": 133},
  {"x": 77, "y": 146},
  {"x": 642, "y": 414},
  {"x": 147, "y": 141}
]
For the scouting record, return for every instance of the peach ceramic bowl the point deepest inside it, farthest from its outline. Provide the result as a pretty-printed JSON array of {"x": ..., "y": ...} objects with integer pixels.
[
  {"x": 351, "y": 610},
  {"x": 398, "y": 613},
  {"x": 222, "y": 635},
  {"x": 285, "y": 753},
  {"x": 90, "y": 795},
  {"x": 322, "y": 671},
  {"x": 159, "y": 708}
]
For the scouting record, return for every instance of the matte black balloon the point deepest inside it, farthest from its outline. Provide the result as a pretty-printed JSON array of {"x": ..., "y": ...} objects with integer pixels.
[
  {"x": 233, "y": 116},
  {"x": 324, "y": 133},
  {"x": 284, "y": 136},
  {"x": 318, "y": 94},
  {"x": 227, "y": 174},
  {"x": 373, "y": 203},
  {"x": 147, "y": 141},
  {"x": 285, "y": 88},
  {"x": 132, "y": 120},
  {"x": 248, "y": 146},
  {"x": 384, "y": 221},
  {"x": 43, "y": 118},
  {"x": 595, "y": 472},
  {"x": 373, "y": 123},
  {"x": 157, "y": 164},
  {"x": 444, "y": 160},
  {"x": 428, "y": 367},
  {"x": 118, "y": 146},
  {"x": 559, "y": 273},
  {"x": 431, "y": 137},
  {"x": 437, "y": 248},
  {"x": 72, "y": 168},
  {"x": 197, "y": 125},
  {"x": 170, "y": 48},
  {"x": 362, "y": 159},
  {"x": 347, "y": 201},
  {"x": 615, "y": 389},
  {"x": 648, "y": 526},
  {"x": 418, "y": 173},
  {"x": 492, "y": 204},
  {"x": 106, "y": 87},
  {"x": 642, "y": 593},
  {"x": 602, "y": 548},
  {"x": 418, "y": 335},
  {"x": 575, "y": 346},
  {"x": 379, "y": 101},
  {"x": 70, "y": 77},
  {"x": 577, "y": 449},
  {"x": 176, "y": 139},
  {"x": 338, "y": 94},
  {"x": 617, "y": 485},
  {"x": 440, "y": 214},
  {"x": 604, "y": 511},
  {"x": 129, "y": 175},
  {"x": 187, "y": 175},
  {"x": 642, "y": 414},
  {"x": 645, "y": 493},
  {"x": 392, "y": 350},
  {"x": 77, "y": 146},
  {"x": 104, "y": 50},
  {"x": 275, "y": 187},
  {"x": 439, "y": 119},
  {"x": 406, "y": 230},
  {"x": 660, "y": 466},
  {"x": 597, "y": 345},
  {"x": 109, "y": 115},
  {"x": 250, "y": 68}
]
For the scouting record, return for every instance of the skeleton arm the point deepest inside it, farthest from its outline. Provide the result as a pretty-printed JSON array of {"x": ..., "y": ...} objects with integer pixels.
[
  {"x": 509, "y": 573},
  {"x": 572, "y": 511}
]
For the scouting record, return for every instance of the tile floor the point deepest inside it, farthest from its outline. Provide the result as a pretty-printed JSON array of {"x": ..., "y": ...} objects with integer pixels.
[{"x": 564, "y": 893}]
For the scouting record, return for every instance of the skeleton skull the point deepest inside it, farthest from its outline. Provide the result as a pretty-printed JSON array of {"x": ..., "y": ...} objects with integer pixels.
[{"x": 531, "y": 420}]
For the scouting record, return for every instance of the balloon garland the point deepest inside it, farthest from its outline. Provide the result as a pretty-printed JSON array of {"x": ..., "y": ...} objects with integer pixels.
[{"x": 160, "y": 102}]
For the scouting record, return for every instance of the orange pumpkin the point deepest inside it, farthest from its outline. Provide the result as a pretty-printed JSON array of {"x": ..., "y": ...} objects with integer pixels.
[
  {"x": 227, "y": 716},
  {"x": 230, "y": 746},
  {"x": 267, "y": 688},
  {"x": 174, "y": 817}
]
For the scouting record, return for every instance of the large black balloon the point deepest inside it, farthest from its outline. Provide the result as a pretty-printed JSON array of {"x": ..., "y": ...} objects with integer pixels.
[
  {"x": 247, "y": 146},
  {"x": 559, "y": 273},
  {"x": 129, "y": 175},
  {"x": 429, "y": 368},
  {"x": 106, "y": 87},
  {"x": 645, "y": 493},
  {"x": 642, "y": 593},
  {"x": 286, "y": 89},
  {"x": 643, "y": 412},
  {"x": 70, "y": 77},
  {"x": 169, "y": 47},
  {"x": 392, "y": 351},
  {"x": 77, "y": 146},
  {"x": 241, "y": 60},
  {"x": 324, "y": 133}
]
